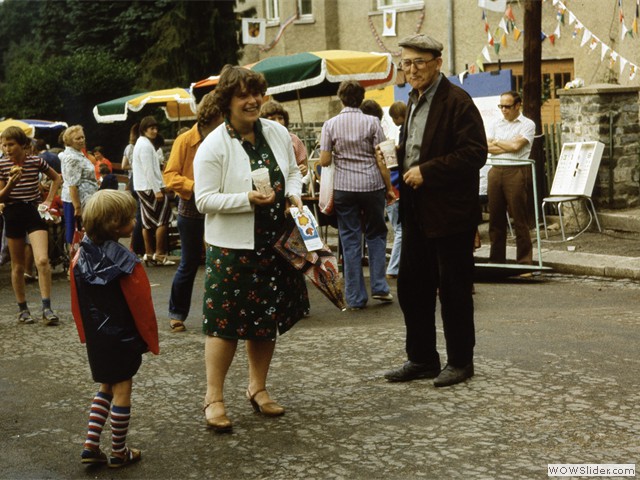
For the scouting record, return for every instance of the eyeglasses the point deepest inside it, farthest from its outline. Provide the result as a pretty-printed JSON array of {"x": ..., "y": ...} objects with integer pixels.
[
  {"x": 508, "y": 107},
  {"x": 416, "y": 62}
]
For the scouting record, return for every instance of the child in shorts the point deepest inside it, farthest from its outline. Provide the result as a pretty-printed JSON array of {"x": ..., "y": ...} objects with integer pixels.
[
  {"x": 113, "y": 310},
  {"x": 20, "y": 192}
]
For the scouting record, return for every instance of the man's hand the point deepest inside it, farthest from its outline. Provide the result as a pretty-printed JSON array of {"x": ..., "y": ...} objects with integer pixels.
[
  {"x": 391, "y": 197},
  {"x": 413, "y": 177}
]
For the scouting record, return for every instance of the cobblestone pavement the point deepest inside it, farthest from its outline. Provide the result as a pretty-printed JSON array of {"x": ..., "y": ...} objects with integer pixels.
[{"x": 556, "y": 382}]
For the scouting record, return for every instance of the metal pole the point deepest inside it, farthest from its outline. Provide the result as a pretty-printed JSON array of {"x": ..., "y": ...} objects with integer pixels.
[
  {"x": 451, "y": 49},
  {"x": 304, "y": 128}
]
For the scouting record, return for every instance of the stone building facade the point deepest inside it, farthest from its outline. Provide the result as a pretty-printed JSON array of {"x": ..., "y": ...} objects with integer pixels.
[{"x": 609, "y": 114}]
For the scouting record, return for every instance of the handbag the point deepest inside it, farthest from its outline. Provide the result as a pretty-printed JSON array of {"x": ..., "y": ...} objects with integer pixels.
[
  {"x": 78, "y": 235},
  {"x": 325, "y": 199}
]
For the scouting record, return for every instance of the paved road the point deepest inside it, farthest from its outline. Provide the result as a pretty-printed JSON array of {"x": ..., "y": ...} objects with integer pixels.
[{"x": 556, "y": 382}]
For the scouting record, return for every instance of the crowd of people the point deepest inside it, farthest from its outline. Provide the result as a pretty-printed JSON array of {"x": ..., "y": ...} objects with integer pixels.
[{"x": 250, "y": 292}]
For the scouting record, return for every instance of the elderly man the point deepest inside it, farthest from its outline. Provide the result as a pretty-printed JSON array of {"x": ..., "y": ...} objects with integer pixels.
[
  {"x": 442, "y": 151},
  {"x": 510, "y": 137}
]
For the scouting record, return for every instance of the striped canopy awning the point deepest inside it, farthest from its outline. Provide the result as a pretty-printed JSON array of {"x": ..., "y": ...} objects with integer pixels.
[
  {"x": 315, "y": 74},
  {"x": 177, "y": 103}
]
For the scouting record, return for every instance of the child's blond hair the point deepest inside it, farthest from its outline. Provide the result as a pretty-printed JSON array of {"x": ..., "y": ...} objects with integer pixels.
[{"x": 106, "y": 212}]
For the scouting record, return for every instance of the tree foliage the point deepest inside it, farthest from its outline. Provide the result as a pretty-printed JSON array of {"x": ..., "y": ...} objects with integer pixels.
[{"x": 62, "y": 57}]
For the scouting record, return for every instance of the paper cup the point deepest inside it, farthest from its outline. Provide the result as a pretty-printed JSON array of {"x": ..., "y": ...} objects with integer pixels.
[
  {"x": 262, "y": 181},
  {"x": 388, "y": 148}
]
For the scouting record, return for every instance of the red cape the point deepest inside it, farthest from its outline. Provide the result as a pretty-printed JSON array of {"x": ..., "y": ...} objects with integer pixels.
[{"x": 137, "y": 293}]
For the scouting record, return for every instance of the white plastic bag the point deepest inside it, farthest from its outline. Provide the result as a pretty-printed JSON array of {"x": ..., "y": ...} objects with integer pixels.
[{"x": 325, "y": 200}]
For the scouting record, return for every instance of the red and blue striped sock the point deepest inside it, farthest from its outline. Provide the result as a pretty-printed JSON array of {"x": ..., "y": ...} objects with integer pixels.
[
  {"x": 119, "y": 427},
  {"x": 97, "y": 418}
]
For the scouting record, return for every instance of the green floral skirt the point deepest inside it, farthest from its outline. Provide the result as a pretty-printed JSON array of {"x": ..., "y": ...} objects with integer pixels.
[{"x": 251, "y": 294}]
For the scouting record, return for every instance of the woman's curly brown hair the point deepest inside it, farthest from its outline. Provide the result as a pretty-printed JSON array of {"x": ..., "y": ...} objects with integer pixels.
[{"x": 233, "y": 80}]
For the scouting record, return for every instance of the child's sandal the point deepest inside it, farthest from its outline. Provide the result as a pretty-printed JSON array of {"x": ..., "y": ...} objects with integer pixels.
[
  {"x": 50, "y": 318},
  {"x": 25, "y": 317},
  {"x": 131, "y": 455},
  {"x": 90, "y": 456}
]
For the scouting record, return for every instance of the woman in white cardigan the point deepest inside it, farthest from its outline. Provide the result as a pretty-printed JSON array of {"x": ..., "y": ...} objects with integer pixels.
[
  {"x": 155, "y": 207},
  {"x": 251, "y": 292}
]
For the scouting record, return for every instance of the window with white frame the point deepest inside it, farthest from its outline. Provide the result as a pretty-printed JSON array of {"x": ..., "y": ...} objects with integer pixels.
[
  {"x": 271, "y": 11},
  {"x": 399, "y": 4},
  {"x": 305, "y": 8}
]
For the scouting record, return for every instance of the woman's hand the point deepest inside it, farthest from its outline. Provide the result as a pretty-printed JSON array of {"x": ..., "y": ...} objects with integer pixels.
[
  {"x": 77, "y": 211},
  {"x": 304, "y": 169},
  {"x": 257, "y": 198},
  {"x": 293, "y": 201}
]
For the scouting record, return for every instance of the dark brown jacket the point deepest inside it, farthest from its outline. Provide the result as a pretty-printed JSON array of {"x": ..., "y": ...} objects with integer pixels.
[{"x": 454, "y": 149}]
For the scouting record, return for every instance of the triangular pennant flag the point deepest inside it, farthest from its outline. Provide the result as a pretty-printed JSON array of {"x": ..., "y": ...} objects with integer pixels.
[
  {"x": 614, "y": 56},
  {"x": 542, "y": 36},
  {"x": 557, "y": 31},
  {"x": 623, "y": 63},
  {"x": 503, "y": 40},
  {"x": 632, "y": 71},
  {"x": 560, "y": 16},
  {"x": 572, "y": 18},
  {"x": 593, "y": 44},
  {"x": 621, "y": 16},
  {"x": 576, "y": 29},
  {"x": 484, "y": 15},
  {"x": 486, "y": 27},
  {"x": 472, "y": 69},
  {"x": 555, "y": 2},
  {"x": 503, "y": 24},
  {"x": 461, "y": 76},
  {"x": 552, "y": 39},
  {"x": 586, "y": 36},
  {"x": 516, "y": 33},
  {"x": 485, "y": 52},
  {"x": 489, "y": 39},
  {"x": 480, "y": 64},
  {"x": 605, "y": 48},
  {"x": 509, "y": 14},
  {"x": 634, "y": 25},
  {"x": 496, "y": 47},
  {"x": 625, "y": 30}
]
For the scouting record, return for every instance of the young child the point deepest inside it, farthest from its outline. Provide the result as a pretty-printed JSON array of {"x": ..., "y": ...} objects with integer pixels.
[
  {"x": 113, "y": 310},
  {"x": 107, "y": 179},
  {"x": 20, "y": 191}
]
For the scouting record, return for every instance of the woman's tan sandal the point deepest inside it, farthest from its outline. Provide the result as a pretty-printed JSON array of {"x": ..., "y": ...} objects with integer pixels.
[
  {"x": 219, "y": 424},
  {"x": 177, "y": 326}
]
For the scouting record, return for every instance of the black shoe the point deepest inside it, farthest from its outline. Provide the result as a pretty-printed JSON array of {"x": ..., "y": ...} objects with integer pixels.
[
  {"x": 412, "y": 371},
  {"x": 451, "y": 375}
]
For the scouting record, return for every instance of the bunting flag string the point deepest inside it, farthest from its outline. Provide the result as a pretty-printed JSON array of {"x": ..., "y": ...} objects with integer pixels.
[
  {"x": 288, "y": 22},
  {"x": 589, "y": 38},
  {"x": 381, "y": 44},
  {"x": 564, "y": 16}
]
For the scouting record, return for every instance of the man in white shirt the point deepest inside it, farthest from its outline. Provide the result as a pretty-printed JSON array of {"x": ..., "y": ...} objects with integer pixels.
[{"x": 511, "y": 137}]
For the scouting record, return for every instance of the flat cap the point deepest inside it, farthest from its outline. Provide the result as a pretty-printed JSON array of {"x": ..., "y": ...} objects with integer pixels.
[{"x": 422, "y": 42}]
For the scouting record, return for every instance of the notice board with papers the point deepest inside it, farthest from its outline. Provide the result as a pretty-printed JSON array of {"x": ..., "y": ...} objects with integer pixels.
[{"x": 577, "y": 169}]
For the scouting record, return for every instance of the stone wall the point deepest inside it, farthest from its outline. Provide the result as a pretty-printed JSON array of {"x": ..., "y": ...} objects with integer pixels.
[{"x": 609, "y": 114}]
